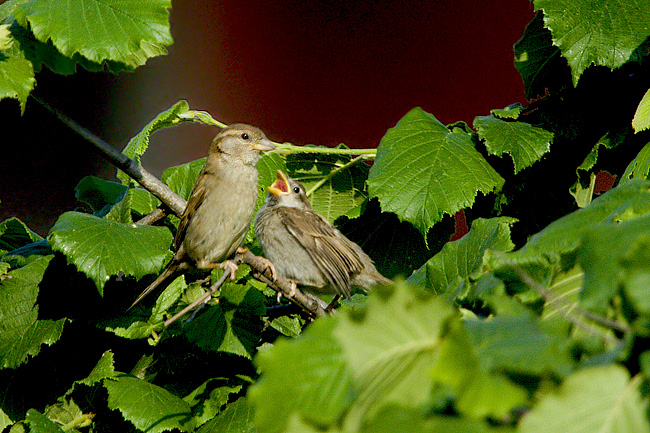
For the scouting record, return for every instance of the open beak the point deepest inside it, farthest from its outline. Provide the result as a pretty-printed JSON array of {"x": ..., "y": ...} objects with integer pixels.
[
  {"x": 264, "y": 145},
  {"x": 281, "y": 184}
]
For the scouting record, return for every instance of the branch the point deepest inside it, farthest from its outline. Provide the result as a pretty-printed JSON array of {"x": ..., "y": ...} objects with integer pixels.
[{"x": 177, "y": 205}]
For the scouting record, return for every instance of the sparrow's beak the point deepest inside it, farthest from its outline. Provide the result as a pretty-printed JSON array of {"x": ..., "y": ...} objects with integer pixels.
[
  {"x": 264, "y": 145},
  {"x": 281, "y": 184}
]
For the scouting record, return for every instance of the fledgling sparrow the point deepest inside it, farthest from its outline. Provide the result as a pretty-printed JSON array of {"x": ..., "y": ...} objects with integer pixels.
[
  {"x": 221, "y": 204},
  {"x": 305, "y": 248}
]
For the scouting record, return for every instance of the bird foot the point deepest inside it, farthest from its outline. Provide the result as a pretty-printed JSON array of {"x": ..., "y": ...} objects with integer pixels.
[
  {"x": 268, "y": 265},
  {"x": 294, "y": 288},
  {"x": 229, "y": 266}
]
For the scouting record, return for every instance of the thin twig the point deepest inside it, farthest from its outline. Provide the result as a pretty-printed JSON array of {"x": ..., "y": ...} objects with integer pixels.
[
  {"x": 199, "y": 301},
  {"x": 550, "y": 298}
]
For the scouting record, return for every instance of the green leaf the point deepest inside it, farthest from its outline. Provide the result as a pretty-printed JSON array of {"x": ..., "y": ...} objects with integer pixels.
[
  {"x": 15, "y": 234},
  {"x": 67, "y": 414},
  {"x": 510, "y": 112},
  {"x": 391, "y": 347},
  {"x": 423, "y": 171},
  {"x": 178, "y": 113},
  {"x": 210, "y": 397},
  {"x": 5, "y": 421},
  {"x": 394, "y": 418},
  {"x": 121, "y": 31},
  {"x": 601, "y": 399},
  {"x": 181, "y": 178},
  {"x": 341, "y": 194},
  {"x": 518, "y": 345},
  {"x": 16, "y": 72},
  {"x": 459, "y": 259},
  {"x": 21, "y": 333},
  {"x": 234, "y": 325},
  {"x": 101, "y": 249},
  {"x": 615, "y": 254},
  {"x": 641, "y": 120},
  {"x": 525, "y": 143},
  {"x": 149, "y": 407},
  {"x": 105, "y": 368},
  {"x": 39, "y": 423},
  {"x": 99, "y": 193},
  {"x": 563, "y": 235},
  {"x": 479, "y": 392},
  {"x": 639, "y": 167},
  {"x": 539, "y": 62},
  {"x": 236, "y": 418},
  {"x": 320, "y": 393},
  {"x": 601, "y": 33}
]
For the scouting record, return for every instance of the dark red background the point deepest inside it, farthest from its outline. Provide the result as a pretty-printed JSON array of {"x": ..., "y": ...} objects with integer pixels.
[{"x": 305, "y": 72}]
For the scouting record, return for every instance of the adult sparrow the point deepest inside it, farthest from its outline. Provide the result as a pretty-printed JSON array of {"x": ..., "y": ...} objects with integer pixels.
[
  {"x": 221, "y": 204},
  {"x": 305, "y": 248}
]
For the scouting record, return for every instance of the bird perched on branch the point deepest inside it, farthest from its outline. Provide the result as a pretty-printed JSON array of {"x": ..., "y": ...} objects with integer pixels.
[
  {"x": 305, "y": 248},
  {"x": 221, "y": 204}
]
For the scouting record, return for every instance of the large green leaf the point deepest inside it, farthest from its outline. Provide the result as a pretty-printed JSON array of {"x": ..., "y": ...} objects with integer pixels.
[
  {"x": 613, "y": 255},
  {"x": 597, "y": 399},
  {"x": 525, "y": 143},
  {"x": 423, "y": 171},
  {"x": 16, "y": 72},
  {"x": 391, "y": 347},
  {"x": 127, "y": 31},
  {"x": 334, "y": 191},
  {"x": 603, "y": 33},
  {"x": 459, "y": 259},
  {"x": 519, "y": 345},
  {"x": 233, "y": 325},
  {"x": 149, "y": 407},
  {"x": 539, "y": 62},
  {"x": 21, "y": 333},
  {"x": 320, "y": 393},
  {"x": 479, "y": 391},
  {"x": 101, "y": 249}
]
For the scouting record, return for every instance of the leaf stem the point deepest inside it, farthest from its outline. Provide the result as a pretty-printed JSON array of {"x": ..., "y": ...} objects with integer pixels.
[
  {"x": 333, "y": 173},
  {"x": 286, "y": 148}
]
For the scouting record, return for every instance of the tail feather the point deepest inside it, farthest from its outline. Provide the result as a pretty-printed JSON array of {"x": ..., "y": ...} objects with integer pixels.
[{"x": 169, "y": 270}]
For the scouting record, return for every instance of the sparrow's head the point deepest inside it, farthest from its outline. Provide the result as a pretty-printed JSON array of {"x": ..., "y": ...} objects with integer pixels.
[
  {"x": 242, "y": 142},
  {"x": 287, "y": 192}
]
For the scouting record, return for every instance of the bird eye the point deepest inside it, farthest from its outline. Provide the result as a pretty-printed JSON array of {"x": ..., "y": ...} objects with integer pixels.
[
  {"x": 296, "y": 189},
  {"x": 244, "y": 136}
]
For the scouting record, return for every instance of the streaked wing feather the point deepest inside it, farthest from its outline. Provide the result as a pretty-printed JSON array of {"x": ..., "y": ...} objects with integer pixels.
[
  {"x": 328, "y": 248},
  {"x": 193, "y": 203}
]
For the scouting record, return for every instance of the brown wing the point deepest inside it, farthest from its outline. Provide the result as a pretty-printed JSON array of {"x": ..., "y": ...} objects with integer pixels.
[
  {"x": 332, "y": 252},
  {"x": 193, "y": 203}
]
